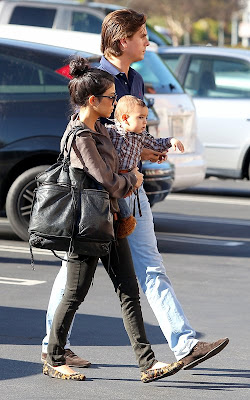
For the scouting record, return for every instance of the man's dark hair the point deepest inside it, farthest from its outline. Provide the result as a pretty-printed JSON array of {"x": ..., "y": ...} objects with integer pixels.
[{"x": 118, "y": 25}]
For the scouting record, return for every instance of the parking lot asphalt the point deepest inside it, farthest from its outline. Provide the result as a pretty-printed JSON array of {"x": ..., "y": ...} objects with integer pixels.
[{"x": 205, "y": 248}]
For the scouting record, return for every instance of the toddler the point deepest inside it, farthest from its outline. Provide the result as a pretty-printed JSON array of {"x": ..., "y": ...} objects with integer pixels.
[{"x": 129, "y": 136}]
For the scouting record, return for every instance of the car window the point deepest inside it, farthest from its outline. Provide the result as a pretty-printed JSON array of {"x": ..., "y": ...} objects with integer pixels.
[
  {"x": 156, "y": 75},
  {"x": 191, "y": 83},
  {"x": 85, "y": 22},
  {"x": 21, "y": 78},
  {"x": 171, "y": 60},
  {"x": 156, "y": 37},
  {"x": 33, "y": 16},
  {"x": 217, "y": 77}
]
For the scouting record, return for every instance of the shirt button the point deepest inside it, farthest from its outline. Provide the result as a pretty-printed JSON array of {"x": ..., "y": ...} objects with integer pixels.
[{"x": 125, "y": 83}]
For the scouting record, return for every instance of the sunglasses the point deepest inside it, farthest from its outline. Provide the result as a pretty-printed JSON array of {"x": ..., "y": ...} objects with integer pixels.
[{"x": 113, "y": 98}]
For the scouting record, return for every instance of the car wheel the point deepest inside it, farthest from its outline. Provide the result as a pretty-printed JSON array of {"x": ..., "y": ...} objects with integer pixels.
[{"x": 19, "y": 201}]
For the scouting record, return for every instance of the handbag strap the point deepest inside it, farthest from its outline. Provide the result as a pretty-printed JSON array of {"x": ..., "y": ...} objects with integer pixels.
[
  {"x": 62, "y": 157},
  {"x": 65, "y": 160}
]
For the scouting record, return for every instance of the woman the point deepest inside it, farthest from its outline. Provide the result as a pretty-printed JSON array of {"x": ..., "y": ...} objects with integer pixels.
[{"x": 93, "y": 92}]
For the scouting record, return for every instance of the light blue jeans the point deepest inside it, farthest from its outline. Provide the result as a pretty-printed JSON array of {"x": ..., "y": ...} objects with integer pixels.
[{"x": 154, "y": 282}]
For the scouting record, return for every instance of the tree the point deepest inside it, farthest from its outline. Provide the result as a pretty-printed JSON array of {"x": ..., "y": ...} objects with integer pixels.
[{"x": 181, "y": 14}]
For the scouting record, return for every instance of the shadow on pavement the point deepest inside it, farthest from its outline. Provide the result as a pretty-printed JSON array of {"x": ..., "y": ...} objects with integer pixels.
[
  {"x": 201, "y": 238},
  {"x": 212, "y": 386},
  {"x": 231, "y": 373},
  {"x": 198, "y": 384},
  {"x": 13, "y": 369},
  {"x": 210, "y": 190},
  {"x": 184, "y": 226},
  {"x": 242, "y": 251},
  {"x": 23, "y": 326}
]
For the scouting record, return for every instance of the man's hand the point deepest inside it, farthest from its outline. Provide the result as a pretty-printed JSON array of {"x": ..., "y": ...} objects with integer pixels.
[
  {"x": 177, "y": 144},
  {"x": 153, "y": 156}
]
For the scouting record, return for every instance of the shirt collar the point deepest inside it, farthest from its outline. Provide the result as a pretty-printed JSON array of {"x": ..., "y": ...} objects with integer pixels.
[
  {"x": 107, "y": 66},
  {"x": 119, "y": 127}
]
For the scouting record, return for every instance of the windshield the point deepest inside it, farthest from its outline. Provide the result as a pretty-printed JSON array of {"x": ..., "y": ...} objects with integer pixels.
[{"x": 158, "y": 79}]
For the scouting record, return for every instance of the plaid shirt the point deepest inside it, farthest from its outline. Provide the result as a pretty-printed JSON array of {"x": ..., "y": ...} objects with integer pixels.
[{"x": 129, "y": 145}]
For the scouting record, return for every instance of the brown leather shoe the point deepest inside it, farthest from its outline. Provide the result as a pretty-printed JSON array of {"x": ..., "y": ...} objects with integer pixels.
[
  {"x": 203, "y": 351},
  {"x": 72, "y": 360}
]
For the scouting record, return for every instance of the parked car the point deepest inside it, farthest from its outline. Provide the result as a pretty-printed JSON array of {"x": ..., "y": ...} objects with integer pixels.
[
  {"x": 34, "y": 110},
  {"x": 68, "y": 15},
  {"x": 174, "y": 107},
  {"x": 219, "y": 81},
  {"x": 153, "y": 34},
  {"x": 177, "y": 118}
]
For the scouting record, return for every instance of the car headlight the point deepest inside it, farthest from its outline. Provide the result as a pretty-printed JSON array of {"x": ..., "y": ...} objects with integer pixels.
[{"x": 157, "y": 172}]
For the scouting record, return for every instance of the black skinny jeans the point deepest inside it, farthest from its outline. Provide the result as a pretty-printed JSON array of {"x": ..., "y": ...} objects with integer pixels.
[{"x": 119, "y": 266}]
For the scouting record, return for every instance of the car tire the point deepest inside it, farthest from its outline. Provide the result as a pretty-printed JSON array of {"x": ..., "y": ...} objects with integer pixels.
[{"x": 19, "y": 201}]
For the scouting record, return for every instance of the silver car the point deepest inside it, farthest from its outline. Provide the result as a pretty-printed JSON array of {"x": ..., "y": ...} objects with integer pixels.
[
  {"x": 71, "y": 15},
  {"x": 177, "y": 118},
  {"x": 219, "y": 81}
]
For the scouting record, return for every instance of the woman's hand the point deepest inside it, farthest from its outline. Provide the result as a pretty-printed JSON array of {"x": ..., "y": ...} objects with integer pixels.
[
  {"x": 139, "y": 177},
  {"x": 177, "y": 144}
]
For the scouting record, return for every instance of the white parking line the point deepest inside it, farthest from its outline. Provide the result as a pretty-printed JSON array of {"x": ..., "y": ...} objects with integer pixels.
[
  {"x": 4, "y": 221},
  {"x": 26, "y": 250},
  {"x": 194, "y": 218},
  {"x": 197, "y": 240},
  {"x": 208, "y": 199},
  {"x": 160, "y": 236},
  {"x": 16, "y": 281}
]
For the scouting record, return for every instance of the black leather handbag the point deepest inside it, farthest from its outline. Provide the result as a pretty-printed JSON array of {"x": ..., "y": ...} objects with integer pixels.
[{"x": 71, "y": 210}]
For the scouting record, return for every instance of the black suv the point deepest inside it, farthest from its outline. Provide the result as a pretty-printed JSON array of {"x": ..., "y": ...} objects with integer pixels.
[{"x": 34, "y": 110}]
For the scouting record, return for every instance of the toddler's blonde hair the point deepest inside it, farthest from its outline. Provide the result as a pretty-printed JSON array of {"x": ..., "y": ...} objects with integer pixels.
[{"x": 126, "y": 104}]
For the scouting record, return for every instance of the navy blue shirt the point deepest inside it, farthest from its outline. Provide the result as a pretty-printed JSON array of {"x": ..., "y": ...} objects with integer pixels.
[{"x": 133, "y": 85}]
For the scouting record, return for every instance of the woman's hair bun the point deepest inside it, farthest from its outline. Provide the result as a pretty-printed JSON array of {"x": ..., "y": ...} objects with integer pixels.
[{"x": 78, "y": 67}]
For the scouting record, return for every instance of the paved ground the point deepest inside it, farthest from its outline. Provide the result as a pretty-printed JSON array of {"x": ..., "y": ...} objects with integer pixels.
[{"x": 204, "y": 241}]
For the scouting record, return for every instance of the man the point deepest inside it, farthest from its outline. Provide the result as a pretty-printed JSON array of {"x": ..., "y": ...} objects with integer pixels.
[{"x": 124, "y": 41}]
